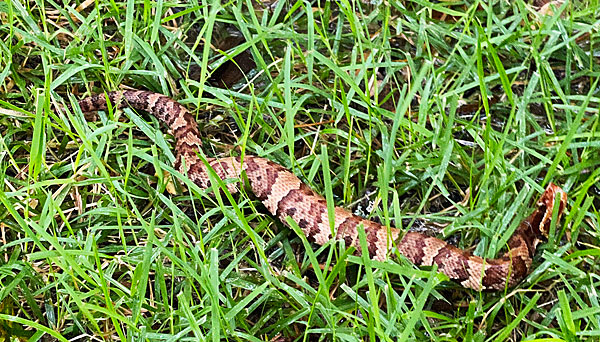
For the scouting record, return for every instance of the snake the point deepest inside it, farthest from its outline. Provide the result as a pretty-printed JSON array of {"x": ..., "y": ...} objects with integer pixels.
[{"x": 285, "y": 196}]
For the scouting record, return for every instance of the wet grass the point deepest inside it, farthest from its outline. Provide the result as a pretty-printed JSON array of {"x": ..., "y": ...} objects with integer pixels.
[{"x": 437, "y": 116}]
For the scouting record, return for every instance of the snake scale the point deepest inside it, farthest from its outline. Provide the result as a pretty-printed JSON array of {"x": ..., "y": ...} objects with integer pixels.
[{"x": 284, "y": 195}]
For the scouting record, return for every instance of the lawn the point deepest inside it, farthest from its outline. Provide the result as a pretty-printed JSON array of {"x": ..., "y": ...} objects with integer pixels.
[{"x": 442, "y": 117}]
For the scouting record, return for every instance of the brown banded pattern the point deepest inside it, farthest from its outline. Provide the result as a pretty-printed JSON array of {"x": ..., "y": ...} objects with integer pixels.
[{"x": 284, "y": 195}]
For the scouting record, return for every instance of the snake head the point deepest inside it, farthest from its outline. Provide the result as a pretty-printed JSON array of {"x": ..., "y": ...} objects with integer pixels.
[
  {"x": 546, "y": 206},
  {"x": 537, "y": 226}
]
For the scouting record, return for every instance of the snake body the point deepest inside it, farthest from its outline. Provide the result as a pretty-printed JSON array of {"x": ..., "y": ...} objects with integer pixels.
[{"x": 284, "y": 195}]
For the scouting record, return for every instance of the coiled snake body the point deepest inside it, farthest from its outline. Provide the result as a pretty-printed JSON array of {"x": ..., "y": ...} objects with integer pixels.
[{"x": 284, "y": 195}]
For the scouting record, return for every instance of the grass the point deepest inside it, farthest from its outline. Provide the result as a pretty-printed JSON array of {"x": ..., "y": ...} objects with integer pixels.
[{"x": 444, "y": 116}]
